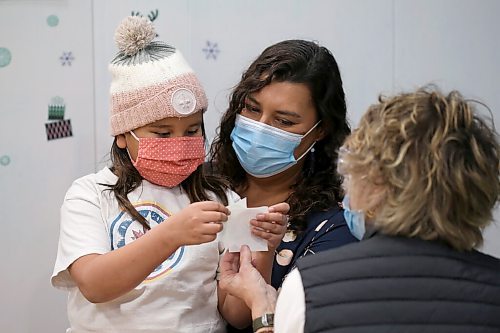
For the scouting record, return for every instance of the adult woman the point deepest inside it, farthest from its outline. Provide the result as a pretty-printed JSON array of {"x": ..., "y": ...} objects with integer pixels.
[
  {"x": 422, "y": 175},
  {"x": 278, "y": 141}
]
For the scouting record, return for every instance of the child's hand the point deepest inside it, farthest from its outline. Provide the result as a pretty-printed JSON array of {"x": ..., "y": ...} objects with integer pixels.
[
  {"x": 272, "y": 226},
  {"x": 198, "y": 223}
]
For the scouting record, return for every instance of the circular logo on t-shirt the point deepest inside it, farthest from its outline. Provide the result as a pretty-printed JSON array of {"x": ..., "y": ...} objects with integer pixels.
[{"x": 125, "y": 230}]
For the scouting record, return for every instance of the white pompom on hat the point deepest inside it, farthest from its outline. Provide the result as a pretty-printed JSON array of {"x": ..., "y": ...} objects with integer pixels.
[{"x": 150, "y": 80}]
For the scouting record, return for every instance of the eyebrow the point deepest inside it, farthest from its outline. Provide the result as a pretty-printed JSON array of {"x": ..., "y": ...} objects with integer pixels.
[
  {"x": 197, "y": 123},
  {"x": 281, "y": 112}
]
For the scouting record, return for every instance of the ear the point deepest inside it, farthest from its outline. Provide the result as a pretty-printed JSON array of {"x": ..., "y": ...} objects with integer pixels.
[
  {"x": 321, "y": 133},
  {"x": 121, "y": 141}
]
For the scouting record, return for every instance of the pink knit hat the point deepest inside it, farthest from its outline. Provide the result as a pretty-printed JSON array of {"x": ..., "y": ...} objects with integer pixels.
[{"x": 150, "y": 80}]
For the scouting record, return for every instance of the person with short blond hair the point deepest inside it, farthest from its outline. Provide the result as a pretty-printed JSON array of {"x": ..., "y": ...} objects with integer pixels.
[
  {"x": 435, "y": 162},
  {"x": 422, "y": 179}
]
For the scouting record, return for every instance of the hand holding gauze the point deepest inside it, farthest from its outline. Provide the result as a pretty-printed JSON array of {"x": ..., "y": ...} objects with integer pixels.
[{"x": 237, "y": 230}]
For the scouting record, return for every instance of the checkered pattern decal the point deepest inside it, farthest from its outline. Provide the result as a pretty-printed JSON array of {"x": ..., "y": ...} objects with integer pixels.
[{"x": 58, "y": 129}]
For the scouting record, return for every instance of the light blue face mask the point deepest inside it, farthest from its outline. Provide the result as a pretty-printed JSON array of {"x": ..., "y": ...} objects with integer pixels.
[
  {"x": 264, "y": 150},
  {"x": 355, "y": 219}
]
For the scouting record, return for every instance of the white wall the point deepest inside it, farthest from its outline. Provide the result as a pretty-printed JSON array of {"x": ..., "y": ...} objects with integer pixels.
[
  {"x": 453, "y": 44},
  {"x": 33, "y": 184},
  {"x": 381, "y": 46}
]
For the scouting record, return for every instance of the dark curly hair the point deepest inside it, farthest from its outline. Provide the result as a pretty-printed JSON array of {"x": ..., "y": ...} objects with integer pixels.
[{"x": 298, "y": 61}]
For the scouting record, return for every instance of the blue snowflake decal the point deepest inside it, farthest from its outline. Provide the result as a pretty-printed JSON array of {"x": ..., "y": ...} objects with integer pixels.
[
  {"x": 211, "y": 51},
  {"x": 66, "y": 58}
]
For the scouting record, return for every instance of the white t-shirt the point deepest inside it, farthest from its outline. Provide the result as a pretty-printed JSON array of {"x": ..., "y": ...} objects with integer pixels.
[
  {"x": 290, "y": 311},
  {"x": 180, "y": 295}
]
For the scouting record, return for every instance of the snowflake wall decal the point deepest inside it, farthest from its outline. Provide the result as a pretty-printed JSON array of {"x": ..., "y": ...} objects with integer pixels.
[
  {"x": 211, "y": 51},
  {"x": 66, "y": 58}
]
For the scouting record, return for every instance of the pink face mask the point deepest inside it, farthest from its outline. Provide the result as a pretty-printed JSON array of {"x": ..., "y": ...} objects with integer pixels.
[{"x": 168, "y": 161}]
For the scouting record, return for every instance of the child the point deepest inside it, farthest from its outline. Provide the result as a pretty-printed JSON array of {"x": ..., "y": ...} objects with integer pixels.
[{"x": 136, "y": 248}]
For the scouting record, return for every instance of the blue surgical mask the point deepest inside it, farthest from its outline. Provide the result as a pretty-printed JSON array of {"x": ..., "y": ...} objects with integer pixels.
[
  {"x": 355, "y": 219},
  {"x": 264, "y": 150}
]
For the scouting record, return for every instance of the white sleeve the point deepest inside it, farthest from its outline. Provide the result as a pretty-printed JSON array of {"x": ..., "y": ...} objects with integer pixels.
[
  {"x": 82, "y": 231},
  {"x": 289, "y": 316}
]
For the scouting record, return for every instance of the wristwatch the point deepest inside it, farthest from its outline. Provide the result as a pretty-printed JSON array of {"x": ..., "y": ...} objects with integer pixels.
[{"x": 267, "y": 320}]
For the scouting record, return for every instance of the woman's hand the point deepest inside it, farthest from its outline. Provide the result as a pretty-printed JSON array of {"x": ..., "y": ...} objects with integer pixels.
[
  {"x": 272, "y": 226},
  {"x": 238, "y": 277}
]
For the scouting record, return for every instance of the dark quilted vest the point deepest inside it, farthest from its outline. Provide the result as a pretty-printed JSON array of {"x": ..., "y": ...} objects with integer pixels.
[{"x": 389, "y": 284}]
